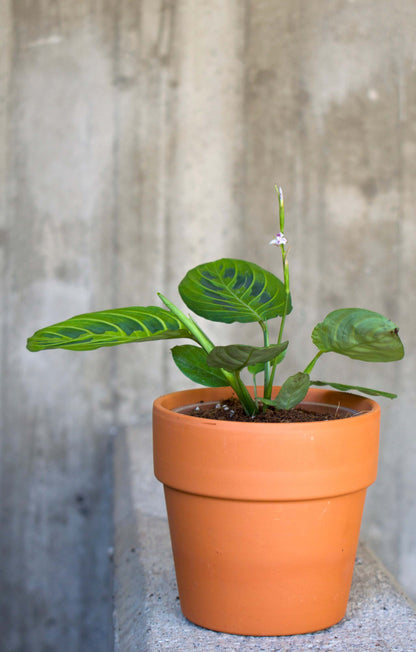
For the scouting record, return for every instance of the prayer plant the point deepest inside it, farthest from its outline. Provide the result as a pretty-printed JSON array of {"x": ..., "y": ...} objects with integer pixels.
[{"x": 231, "y": 290}]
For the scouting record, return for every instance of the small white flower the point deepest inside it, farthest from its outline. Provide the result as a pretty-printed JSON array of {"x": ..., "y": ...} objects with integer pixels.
[{"x": 278, "y": 240}]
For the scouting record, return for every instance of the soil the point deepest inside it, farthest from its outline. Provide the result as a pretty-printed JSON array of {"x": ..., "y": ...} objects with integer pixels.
[{"x": 232, "y": 410}]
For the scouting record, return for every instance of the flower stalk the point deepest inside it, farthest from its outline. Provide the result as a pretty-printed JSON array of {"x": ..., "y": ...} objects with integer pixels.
[{"x": 280, "y": 241}]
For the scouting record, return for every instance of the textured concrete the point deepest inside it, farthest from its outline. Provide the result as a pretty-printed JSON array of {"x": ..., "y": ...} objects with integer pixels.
[
  {"x": 138, "y": 138},
  {"x": 147, "y": 615}
]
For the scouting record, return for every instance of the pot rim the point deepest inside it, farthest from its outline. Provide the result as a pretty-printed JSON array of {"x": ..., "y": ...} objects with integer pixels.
[
  {"x": 361, "y": 405},
  {"x": 265, "y": 461}
]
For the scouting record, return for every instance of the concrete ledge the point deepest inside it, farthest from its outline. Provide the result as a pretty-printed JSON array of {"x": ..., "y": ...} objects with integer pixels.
[{"x": 147, "y": 615}]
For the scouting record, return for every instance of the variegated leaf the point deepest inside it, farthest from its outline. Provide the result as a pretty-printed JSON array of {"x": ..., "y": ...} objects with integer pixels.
[
  {"x": 229, "y": 290},
  {"x": 109, "y": 328}
]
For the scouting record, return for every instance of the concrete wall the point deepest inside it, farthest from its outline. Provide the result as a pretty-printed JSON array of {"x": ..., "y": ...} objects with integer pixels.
[{"x": 136, "y": 140}]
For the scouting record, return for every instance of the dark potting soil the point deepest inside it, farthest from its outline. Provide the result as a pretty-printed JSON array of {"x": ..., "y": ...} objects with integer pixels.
[{"x": 232, "y": 410}]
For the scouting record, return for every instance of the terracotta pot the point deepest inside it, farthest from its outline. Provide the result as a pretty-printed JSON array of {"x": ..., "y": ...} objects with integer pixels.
[{"x": 264, "y": 518}]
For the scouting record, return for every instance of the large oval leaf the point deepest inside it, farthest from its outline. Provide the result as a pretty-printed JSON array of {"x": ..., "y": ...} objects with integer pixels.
[
  {"x": 235, "y": 357},
  {"x": 229, "y": 290},
  {"x": 359, "y": 334},
  {"x": 192, "y": 361},
  {"x": 109, "y": 328}
]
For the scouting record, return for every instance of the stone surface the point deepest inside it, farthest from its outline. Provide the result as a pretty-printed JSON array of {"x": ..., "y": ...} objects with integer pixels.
[{"x": 147, "y": 615}]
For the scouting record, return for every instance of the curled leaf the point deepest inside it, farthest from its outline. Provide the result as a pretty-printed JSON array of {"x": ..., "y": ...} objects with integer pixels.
[
  {"x": 359, "y": 334},
  {"x": 235, "y": 357},
  {"x": 345, "y": 388}
]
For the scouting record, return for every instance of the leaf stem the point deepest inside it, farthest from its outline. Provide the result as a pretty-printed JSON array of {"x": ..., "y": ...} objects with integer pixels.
[
  {"x": 287, "y": 292},
  {"x": 198, "y": 334},
  {"x": 242, "y": 392},
  {"x": 266, "y": 341},
  {"x": 255, "y": 389},
  {"x": 312, "y": 363}
]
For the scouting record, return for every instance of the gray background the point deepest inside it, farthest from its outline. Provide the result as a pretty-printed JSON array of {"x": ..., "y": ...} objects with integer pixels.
[{"x": 137, "y": 139}]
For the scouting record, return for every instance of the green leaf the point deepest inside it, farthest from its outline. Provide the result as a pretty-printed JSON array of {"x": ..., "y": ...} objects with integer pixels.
[
  {"x": 255, "y": 369},
  {"x": 359, "y": 334},
  {"x": 278, "y": 359},
  {"x": 346, "y": 388},
  {"x": 109, "y": 328},
  {"x": 237, "y": 356},
  {"x": 192, "y": 361},
  {"x": 258, "y": 368},
  {"x": 292, "y": 392},
  {"x": 229, "y": 290}
]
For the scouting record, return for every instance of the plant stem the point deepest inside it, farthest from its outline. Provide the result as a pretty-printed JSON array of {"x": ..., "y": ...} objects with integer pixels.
[
  {"x": 255, "y": 389},
  {"x": 287, "y": 292},
  {"x": 284, "y": 263},
  {"x": 266, "y": 342},
  {"x": 242, "y": 392},
  {"x": 269, "y": 386},
  {"x": 281, "y": 208},
  {"x": 313, "y": 362},
  {"x": 203, "y": 340},
  {"x": 197, "y": 333}
]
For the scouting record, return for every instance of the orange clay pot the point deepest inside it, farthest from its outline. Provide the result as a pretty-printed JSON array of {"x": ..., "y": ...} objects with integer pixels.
[{"x": 264, "y": 518}]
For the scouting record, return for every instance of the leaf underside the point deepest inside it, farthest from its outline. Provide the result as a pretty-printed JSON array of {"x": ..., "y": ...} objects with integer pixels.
[
  {"x": 229, "y": 290},
  {"x": 192, "y": 361},
  {"x": 359, "y": 334},
  {"x": 293, "y": 391},
  {"x": 109, "y": 328}
]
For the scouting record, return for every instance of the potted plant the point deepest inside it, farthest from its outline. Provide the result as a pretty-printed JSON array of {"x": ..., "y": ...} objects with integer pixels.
[{"x": 264, "y": 485}]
